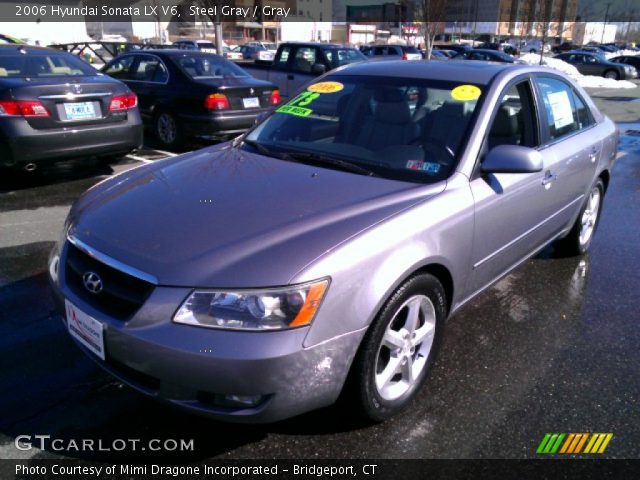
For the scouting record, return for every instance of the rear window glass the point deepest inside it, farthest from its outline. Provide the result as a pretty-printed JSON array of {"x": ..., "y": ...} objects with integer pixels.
[
  {"x": 410, "y": 50},
  {"x": 48, "y": 65},
  {"x": 208, "y": 66}
]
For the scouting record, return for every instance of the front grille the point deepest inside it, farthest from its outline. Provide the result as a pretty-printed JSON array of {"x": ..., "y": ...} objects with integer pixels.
[{"x": 122, "y": 294}]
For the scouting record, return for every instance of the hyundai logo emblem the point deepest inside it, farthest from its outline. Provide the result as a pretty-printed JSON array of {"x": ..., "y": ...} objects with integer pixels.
[
  {"x": 92, "y": 282},
  {"x": 77, "y": 88},
  {"x": 251, "y": 91}
]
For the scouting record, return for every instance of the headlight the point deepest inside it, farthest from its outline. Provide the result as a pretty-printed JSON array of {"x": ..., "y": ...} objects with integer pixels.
[{"x": 267, "y": 309}]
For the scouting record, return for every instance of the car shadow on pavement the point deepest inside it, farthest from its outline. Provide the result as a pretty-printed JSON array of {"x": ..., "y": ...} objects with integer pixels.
[{"x": 53, "y": 174}]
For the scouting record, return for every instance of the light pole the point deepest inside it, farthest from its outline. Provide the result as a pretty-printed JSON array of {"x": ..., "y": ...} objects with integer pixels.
[{"x": 604, "y": 27}]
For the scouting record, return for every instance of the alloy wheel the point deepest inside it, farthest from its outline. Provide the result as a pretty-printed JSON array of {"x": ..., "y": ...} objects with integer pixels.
[{"x": 405, "y": 346}]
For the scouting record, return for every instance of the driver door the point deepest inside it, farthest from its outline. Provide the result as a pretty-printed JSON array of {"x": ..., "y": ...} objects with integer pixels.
[{"x": 509, "y": 211}]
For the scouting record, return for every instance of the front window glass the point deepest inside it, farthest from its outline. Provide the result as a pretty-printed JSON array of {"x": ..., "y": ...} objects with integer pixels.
[
  {"x": 406, "y": 129},
  {"x": 208, "y": 66}
]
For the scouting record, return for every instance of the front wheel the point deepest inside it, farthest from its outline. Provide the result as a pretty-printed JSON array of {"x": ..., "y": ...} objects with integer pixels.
[
  {"x": 579, "y": 239},
  {"x": 398, "y": 350},
  {"x": 612, "y": 74}
]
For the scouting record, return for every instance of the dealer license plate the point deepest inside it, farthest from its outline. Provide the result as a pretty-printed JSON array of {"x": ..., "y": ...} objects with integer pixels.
[{"x": 87, "y": 330}]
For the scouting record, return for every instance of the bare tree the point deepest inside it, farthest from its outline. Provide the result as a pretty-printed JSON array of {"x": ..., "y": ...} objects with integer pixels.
[{"x": 432, "y": 13}]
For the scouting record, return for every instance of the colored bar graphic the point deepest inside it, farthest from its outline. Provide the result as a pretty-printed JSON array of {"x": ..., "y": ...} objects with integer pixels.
[{"x": 573, "y": 443}]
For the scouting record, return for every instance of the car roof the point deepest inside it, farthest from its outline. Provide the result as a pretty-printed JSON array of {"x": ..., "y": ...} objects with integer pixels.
[
  {"x": 479, "y": 72},
  {"x": 171, "y": 52},
  {"x": 11, "y": 48}
]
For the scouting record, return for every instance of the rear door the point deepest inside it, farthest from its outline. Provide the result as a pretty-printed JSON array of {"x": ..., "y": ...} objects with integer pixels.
[
  {"x": 301, "y": 66},
  {"x": 149, "y": 78},
  {"x": 571, "y": 147}
]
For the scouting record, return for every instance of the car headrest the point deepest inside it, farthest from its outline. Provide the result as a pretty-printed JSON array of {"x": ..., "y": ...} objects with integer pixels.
[{"x": 392, "y": 107}]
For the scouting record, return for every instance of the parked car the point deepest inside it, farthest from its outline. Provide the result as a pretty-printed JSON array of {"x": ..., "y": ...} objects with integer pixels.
[
  {"x": 486, "y": 55},
  {"x": 296, "y": 64},
  {"x": 397, "y": 52},
  {"x": 633, "y": 60},
  {"x": 458, "y": 48},
  {"x": 256, "y": 52},
  {"x": 233, "y": 53},
  {"x": 439, "y": 54},
  {"x": 337, "y": 236},
  {"x": 500, "y": 47},
  {"x": 206, "y": 46},
  {"x": 535, "y": 46},
  {"x": 596, "y": 64},
  {"x": 54, "y": 106},
  {"x": 564, "y": 47},
  {"x": 4, "y": 39},
  {"x": 189, "y": 94}
]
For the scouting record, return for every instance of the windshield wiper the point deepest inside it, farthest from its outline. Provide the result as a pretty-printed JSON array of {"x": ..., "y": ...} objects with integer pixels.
[
  {"x": 336, "y": 162},
  {"x": 311, "y": 158},
  {"x": 267, "y": 152}
]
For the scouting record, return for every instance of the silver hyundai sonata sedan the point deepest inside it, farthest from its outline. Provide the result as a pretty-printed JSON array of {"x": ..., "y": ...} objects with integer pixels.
[{"x": 319, "y": 254}]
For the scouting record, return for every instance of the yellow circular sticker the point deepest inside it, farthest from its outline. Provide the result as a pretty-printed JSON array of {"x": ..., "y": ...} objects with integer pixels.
[
  {"x": 464, "y": 93},
  {"x": 325, "y": 87}
]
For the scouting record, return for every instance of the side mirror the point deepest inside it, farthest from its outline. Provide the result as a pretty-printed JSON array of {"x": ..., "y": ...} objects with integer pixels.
[
  {"x": 318, "y": 69},
  {"x": 512, "y": 159}
]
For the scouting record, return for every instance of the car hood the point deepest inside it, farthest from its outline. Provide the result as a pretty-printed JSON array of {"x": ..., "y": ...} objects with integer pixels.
[{"x": 223, "y": 217}]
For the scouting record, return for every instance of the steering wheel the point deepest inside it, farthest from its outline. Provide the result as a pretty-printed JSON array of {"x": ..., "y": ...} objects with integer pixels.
[{"x": 441, "y": 153}]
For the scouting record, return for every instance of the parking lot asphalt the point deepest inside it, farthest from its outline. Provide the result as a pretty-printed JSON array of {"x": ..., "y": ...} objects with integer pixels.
[{"x": 553, "y": 347}]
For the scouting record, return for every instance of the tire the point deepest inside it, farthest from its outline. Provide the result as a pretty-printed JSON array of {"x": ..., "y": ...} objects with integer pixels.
[
  {"x": 612, "y": 74},
  {"x": 579, "y": 239},
  {"x": 390, "y": 368},
  {"x": 168, "y": 130}
]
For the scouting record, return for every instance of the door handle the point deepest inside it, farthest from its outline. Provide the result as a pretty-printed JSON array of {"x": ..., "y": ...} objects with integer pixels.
[
  {"x": 549, "y": 178},
  {"x": 289, "y": 77}
]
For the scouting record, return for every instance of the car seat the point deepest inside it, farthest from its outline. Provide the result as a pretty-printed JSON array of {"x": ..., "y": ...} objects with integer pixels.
[{"x": 390, "y": 124}]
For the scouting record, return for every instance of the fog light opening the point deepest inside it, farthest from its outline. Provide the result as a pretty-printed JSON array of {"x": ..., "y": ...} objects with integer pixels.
[
  {"x": 230, "y": 401},
  {"x": 53, "y": 267}
]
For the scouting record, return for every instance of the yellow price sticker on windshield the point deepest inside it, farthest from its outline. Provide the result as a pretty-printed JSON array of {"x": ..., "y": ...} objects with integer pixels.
[
  {"x": 325, "y": 87},
  {"x": 465, "y": 93}
]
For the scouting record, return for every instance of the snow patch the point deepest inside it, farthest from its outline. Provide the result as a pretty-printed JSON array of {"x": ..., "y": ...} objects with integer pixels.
[{"x": 585, "y": 81}]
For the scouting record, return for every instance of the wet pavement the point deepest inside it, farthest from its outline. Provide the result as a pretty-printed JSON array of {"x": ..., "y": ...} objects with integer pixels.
[{"x": 553, "y": 347}]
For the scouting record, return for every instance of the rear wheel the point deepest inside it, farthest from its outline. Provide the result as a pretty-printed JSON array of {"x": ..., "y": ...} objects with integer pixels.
[
  {"x": 612, "y": 74},
  {"x": 398, "y": 350},
  {"x": 167, "y": 130},
  {"x": 579, "y": 239}
]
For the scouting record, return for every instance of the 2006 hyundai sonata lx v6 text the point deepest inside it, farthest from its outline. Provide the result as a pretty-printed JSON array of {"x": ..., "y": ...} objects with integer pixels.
[{"x": 321, "y": 252}]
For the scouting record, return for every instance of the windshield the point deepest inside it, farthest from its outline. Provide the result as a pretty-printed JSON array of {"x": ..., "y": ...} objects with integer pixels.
[
  {"x": 405, "y": 129},
  {"x": 198, "y": 66},
  {"x": 47, "y": 65},
  {"x": 270, "y": 46},
  {"x": 343, "y": 56}
]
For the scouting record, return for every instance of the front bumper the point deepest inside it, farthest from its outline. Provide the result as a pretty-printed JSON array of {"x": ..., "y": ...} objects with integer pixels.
[
  {"x": 21, "y": 144},
  {"x": 220, "y": 125},
  {"x": 191, "y": 367}
]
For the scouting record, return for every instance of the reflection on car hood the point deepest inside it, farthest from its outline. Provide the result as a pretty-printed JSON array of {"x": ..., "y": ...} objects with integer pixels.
[{"x": 229, "y": 218}]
